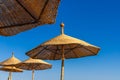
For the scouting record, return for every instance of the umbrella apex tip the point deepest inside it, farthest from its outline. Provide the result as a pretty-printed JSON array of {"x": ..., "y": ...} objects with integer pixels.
[
  {"x": 62, "y": 28},
  {"x": 62, "y": 24}
]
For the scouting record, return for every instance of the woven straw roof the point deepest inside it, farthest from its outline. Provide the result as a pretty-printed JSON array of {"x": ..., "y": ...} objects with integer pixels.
[
  {"x": 10, "y": 61},
  {"x": 20, "y": 15},
  {"x": 64, "y": 39},
  {"x": 33, "y": 64},
  {"x": 73, "y": 48},
  {"x": 10, "y": 69}
]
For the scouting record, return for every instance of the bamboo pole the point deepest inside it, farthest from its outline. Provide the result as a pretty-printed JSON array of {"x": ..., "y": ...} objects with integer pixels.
[{"x": 62, "y": 65}]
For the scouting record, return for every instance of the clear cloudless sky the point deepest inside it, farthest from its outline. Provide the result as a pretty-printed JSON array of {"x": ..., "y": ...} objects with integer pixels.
[{"x": 94, "y": 21}]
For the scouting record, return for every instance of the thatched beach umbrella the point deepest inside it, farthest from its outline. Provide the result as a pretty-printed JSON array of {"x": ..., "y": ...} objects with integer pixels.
[
  {"x": 12, "y": 61},
  {"x": 20, "y": 15},
  {"x": 33, "y": 64},
  {"x": 10, "y": 69},
  {"x": 63, "y": 47}
]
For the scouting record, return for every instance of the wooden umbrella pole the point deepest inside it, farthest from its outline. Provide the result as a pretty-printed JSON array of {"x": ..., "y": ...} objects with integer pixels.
[
  {"x": 62, "y": 66},
  {"x": 10, "y": 75},
  {"x": 32, "y": 74}
]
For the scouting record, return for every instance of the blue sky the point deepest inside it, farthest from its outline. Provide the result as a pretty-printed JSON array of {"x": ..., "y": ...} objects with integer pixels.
[{"x": 94, "y": 21}]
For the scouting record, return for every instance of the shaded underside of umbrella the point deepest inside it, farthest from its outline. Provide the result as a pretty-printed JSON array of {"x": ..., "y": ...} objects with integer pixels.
[
  {"x": 10, "y": 69},
  {"x": 20, "y": 15},
  {"x": 33, "y": 64},
  {"x": 10, "y": 61}
]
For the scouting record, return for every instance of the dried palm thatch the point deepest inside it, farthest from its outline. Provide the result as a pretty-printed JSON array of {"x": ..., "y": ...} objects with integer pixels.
[
  {"x": 10, "y": 69},
  {"x": 73, "y": 48},
  {"x": 33, "y": 64},
  {"x": 19, "y": 15}
]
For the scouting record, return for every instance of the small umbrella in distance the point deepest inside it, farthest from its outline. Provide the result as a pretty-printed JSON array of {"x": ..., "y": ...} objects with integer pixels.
[
  {"x": 20, "y": 15},
  {"x": 63, "y": 47},
  {"x": 33, "y": 64},
  {"x": 12, "y": 61}
]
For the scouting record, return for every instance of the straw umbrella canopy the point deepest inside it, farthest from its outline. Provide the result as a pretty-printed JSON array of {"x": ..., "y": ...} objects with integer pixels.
[
  {"x": 33, "y": 64},
  {"x": 20, "y": 15},
  {"x": 10, "y": 69},
  {"x": 63, "y": 47},
  {"x": 12, "y": 61}
]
